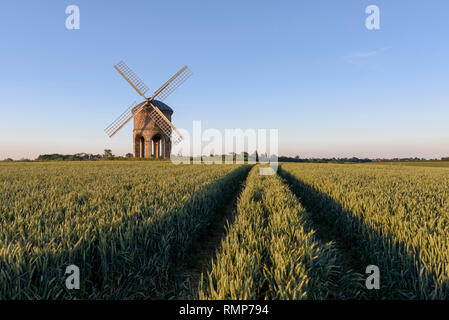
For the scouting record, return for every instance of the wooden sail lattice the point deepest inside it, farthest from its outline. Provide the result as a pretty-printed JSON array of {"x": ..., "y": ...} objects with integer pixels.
[
  {"x": 174, "y": 82},
  {"x": 132, "y": 78},
  {"x": 122, "y": 119},
  {"x": 165, "y": 125}
]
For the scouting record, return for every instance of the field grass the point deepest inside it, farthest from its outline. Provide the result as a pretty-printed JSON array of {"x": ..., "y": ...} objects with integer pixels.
[
  {"x": 421, "y": 163},
  {"x": 271, "y": 252},
  {"x": 395, "y": 217},
  {"x": 125, "y": 224},
  {"x": 308, "y": 232}
]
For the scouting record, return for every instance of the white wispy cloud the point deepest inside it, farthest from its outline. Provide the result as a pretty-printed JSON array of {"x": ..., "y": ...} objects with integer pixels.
[{"x": 370, "y": 59}]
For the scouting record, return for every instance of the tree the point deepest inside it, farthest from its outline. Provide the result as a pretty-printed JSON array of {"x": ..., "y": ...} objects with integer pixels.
[
  {"x": 129, "y": 155},
  {"x": 108, "y": 153}
]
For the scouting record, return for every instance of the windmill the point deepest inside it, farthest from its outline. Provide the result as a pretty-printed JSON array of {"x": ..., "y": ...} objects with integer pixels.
[{"x": 153, "y": 131}]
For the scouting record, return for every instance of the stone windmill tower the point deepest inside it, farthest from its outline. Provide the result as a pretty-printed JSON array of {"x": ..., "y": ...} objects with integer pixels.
[
  {"x": 148, "y": 138},
  {"x": 153, "y": 132}
]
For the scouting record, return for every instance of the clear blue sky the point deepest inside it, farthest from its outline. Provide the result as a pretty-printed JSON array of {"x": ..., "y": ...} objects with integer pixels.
[{"x": 308, "y": 68}]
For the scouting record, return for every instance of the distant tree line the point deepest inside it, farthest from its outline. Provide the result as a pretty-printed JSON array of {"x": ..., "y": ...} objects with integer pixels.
[
  {"x": 352, "y": 160},
  {"x": 108, "y": 155},
  {"x": 323, "y": 160},
  {"x": 65, "y": 157}
]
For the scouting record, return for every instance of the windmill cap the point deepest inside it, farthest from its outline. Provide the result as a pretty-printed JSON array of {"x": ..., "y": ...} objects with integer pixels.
[{"x": 159, "y": 104}]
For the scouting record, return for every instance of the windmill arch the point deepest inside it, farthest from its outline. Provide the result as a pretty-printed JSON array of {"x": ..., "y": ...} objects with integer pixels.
[
  {"x": 158, "y": 144},
  {"x": 139, "y": 146}
]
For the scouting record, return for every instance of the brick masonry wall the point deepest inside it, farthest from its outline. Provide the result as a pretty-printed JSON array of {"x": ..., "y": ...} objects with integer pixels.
[{"x": 145, "y": 127}]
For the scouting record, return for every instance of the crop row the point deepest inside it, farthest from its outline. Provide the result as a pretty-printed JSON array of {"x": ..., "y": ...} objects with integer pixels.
[
  {"x": 271, "y": 251},
  {"x": 125, "y": 225},
  {"x": 394, "y": 217}
]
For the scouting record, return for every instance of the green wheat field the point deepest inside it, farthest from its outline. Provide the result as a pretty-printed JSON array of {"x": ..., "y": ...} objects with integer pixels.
[{"x": 308, "y": 232}]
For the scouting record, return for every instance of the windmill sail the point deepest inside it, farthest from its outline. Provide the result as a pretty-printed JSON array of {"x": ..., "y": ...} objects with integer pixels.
[
  {"x": 123, "y": 119},
  {"x": 171, "y": 85},
  {"x": 165, "y": 125},
  {"x": 132, "y": 78}
]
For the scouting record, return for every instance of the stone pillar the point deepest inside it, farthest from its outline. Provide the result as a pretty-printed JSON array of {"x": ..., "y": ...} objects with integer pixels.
[
  {"x": 135, "y": 151},
  {"x": 164, "y": 147},
  {"x": 167, "y": 147}
]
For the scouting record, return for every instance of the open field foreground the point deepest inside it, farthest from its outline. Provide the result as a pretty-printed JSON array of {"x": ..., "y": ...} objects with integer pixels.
[
  {"x": 394, "y": 217},
  {"x": 123, "y": 224},
  {"x": 137, "y": 230}
]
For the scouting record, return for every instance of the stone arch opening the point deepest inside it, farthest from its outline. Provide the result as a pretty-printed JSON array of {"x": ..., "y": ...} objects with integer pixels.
[
  {"x": 157, "y": 146},
  {"x": 139, "y": 147},
  {"x": 142, "y": 147}
]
